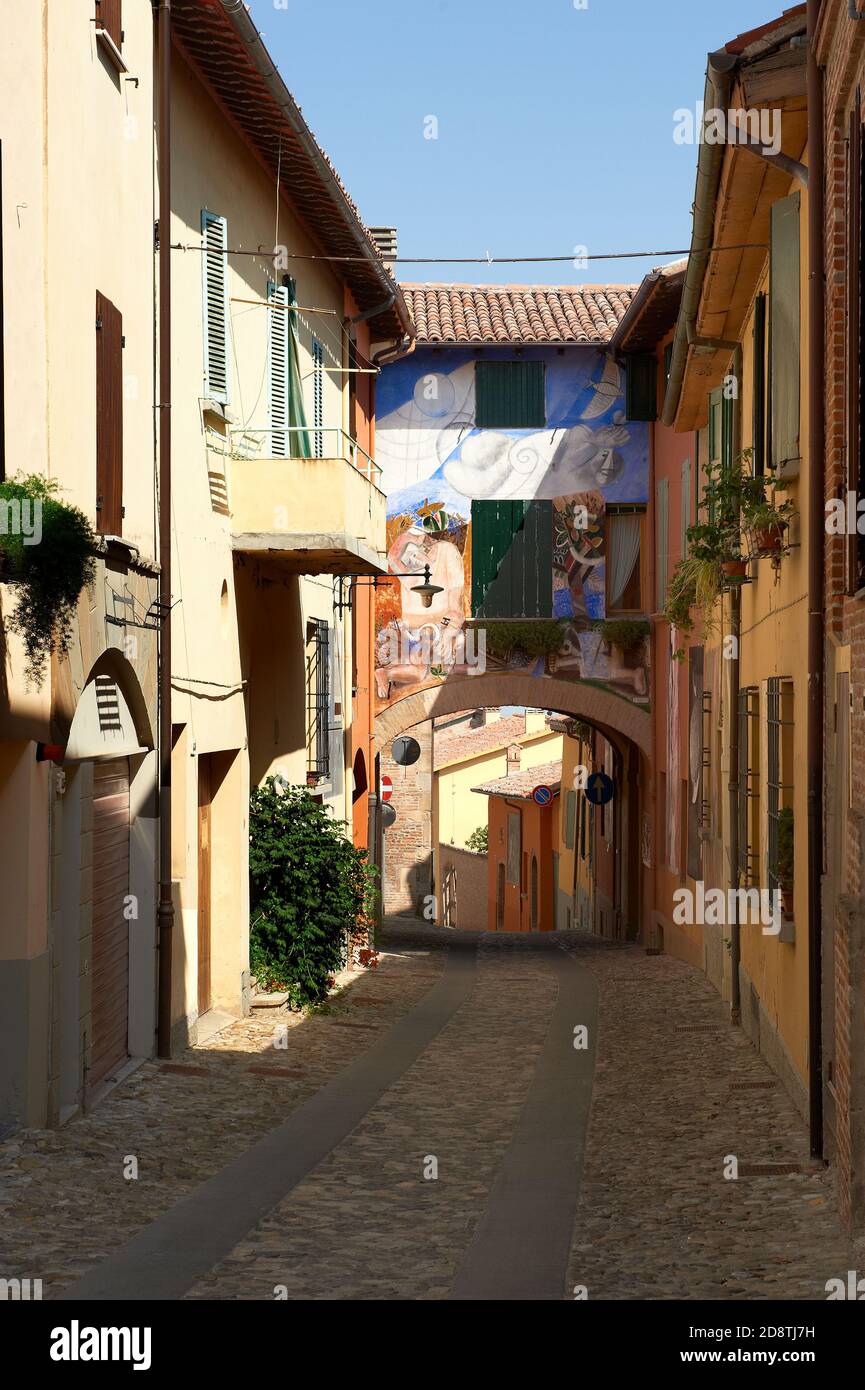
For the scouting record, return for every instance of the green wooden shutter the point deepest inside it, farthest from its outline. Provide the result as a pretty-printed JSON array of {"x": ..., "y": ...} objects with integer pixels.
[
  {"x": 214, "y": 235},
  {"x": 758, "y": 461},
  {"x": 784, "y": 309},
  {"x": 570, "y": 818},
  {"x": 512, "y": 559},
  {"x": 641, "y": 377},
  {"x": 277, "y": 371},
  {"x": 509, "y": 395},
  {"x": 662, "y": 531}
]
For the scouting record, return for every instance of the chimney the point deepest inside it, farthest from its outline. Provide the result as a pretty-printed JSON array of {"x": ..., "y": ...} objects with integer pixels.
[
  {"x": 385, "y": 240},
  {"x": 513, "y": 759}
]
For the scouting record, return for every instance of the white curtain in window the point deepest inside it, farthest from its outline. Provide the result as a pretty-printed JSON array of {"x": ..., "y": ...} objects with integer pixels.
[{"x": 624, "y": 555}]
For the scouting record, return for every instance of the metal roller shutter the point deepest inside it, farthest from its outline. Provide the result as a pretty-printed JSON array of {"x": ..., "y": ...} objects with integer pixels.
[{"x": 110, "y": 969}]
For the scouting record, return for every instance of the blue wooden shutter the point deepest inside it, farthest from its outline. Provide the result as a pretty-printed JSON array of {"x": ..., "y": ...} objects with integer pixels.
[
  {"x": 277, "y": 371},
  {"x": 512, "y": 559},
  {"x": 214, "y": 235}
]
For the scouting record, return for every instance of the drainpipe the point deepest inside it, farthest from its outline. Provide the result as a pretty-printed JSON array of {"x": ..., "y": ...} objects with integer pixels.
[
  {"x": 401, "y": 348},
  {"x": 816, "y": 513},
  {"x": 165, "y": 913},
  {"x": 733, "y": 784}
]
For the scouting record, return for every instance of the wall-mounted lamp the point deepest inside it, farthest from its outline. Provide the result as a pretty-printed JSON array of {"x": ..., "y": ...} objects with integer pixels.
[{"x": 426, "y": 590}]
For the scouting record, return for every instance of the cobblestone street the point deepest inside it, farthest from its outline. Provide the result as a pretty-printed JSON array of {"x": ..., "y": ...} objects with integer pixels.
[{"x": 481, "y": 1098}]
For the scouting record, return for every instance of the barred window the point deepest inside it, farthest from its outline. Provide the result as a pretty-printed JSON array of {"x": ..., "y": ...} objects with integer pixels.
[
  {"x": 779, "y": 783},
  {"x": 318, "y": 698},
  {"x": 749, "y": 786}
]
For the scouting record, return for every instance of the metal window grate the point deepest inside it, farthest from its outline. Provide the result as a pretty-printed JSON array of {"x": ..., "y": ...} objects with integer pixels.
[
  {"x": 779, "y": 792},
  {"x": 706, "y": 758},
  {"x": 318, "y": 697},
  {"x": 749, "y": 786}
]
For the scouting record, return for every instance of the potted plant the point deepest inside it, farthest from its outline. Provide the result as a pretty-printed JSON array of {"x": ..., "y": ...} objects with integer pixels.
[
  {"x": 628, "y": 634},
  {"x": 786, "y": 846},
  {"x": 768, "y": 524},
  {"x": 50, "y": 561},
  {"x": 696, "y": 582}
]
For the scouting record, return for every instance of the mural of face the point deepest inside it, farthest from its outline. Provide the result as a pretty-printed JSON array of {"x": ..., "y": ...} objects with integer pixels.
[{"x": 493, "y": 466}]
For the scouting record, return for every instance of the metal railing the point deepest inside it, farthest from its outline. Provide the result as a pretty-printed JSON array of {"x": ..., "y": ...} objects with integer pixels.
[{"x": 245, "y": 443}]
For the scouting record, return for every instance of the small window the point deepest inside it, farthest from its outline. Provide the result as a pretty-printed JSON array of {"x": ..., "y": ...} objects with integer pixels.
[
  {"x": 749, "y": 787},
  {"x": 318, "y": 698},
  {"x": 509, "y": 395},
  {"x": 780, "y": 858},
  {"x": 624, "y": 562},
  {"x": 214, "y": 236}
]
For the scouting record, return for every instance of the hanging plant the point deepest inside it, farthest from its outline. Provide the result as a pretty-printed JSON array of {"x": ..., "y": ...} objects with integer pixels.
[
  {"x": 628, "y": 634},
  {"x": 50, "y": 560}
]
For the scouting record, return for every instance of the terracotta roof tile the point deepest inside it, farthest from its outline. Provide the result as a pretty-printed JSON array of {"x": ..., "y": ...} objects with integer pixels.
[
  {"x": 520, "y": 785},
  {"x": 454, "y": 745},
  {"x": 517, "y": 313}
]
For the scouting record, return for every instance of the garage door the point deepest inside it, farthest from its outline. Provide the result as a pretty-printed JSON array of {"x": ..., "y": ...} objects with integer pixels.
[{"x": 110, "y": 966}]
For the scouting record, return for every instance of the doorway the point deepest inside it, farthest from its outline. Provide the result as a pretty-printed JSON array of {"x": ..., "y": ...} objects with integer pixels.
[
  {"x": 533, "y": 921},
  {"x": 204, "y": 882},
  {"x": 500, "y": 899},
  {"x": 110, "y": 965}
]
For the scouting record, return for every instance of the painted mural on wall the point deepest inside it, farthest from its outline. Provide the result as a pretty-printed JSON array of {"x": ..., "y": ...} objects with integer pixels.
[{"x": 436, "y": 462}]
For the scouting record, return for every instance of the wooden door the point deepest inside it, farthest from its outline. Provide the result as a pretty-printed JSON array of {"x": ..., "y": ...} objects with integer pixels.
[
  {"x": 533, "y": 925},
  {"x": 500, "y": 899},
  {"x": 204, "y": 869},
  {"x": 110, "y": 968}
]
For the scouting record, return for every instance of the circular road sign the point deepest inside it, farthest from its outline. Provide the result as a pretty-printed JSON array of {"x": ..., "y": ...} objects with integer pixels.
[
  {"x": 599, "y": 789},
  {"x": 388, "y": 816},
  {"x": 386, "y": 789},
  {"x": 405, "y": 750},
  {"x": 542, "y": 795}
]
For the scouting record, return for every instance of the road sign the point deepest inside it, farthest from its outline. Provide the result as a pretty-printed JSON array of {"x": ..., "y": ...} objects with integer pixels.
[
  {"x": 599, "y": 789},
  {"x": 388, "y": 816},
  {"x": 405, "y": 750},
  {"x": 542, "y": 795},
  {"x": 386, "y": 789}
]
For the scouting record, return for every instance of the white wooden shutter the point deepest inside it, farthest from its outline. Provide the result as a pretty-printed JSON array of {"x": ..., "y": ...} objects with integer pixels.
[
  {"x": 318, "y": 395},
  {"x": 277, "y": 371},
  {"x": 214, "y": 235}
]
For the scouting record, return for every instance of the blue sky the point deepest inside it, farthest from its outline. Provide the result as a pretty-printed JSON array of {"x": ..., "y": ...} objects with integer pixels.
[{"x": 555, "y": 124}]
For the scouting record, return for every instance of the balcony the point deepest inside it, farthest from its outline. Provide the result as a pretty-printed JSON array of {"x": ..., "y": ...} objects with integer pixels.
[{"x": 319, "y": 515}]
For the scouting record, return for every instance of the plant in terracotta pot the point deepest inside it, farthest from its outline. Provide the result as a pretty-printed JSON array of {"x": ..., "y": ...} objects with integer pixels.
[{"x": 768, "y": 523}]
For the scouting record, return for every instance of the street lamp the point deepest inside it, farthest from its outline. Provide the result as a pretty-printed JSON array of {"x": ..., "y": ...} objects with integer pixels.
[{"x": 426, "y": 590}]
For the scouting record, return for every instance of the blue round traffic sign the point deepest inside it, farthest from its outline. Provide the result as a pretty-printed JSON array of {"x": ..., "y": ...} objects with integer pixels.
[
  {"x": 599, "y": 789},
  {"x": 542, "y": 795}
]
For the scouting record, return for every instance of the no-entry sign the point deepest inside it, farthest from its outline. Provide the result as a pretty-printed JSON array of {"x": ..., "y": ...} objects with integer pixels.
[{"x": 386, "y": 789}]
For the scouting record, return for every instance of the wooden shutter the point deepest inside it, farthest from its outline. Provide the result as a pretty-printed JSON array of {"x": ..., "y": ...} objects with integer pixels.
[
  {"x": 109, "y": 417},
  {"x": 108, "y": 17},
  {"x": 855, "y": 472},
  {"x": 686, "y": 508},
  {"x": 641, "y": 386},
  {"x": 277, "y": 371},
  {"x": 512, "y": 559},
  {"x": 214, "y": 235},
  {"x": 662, "y": 531},
  {"x": 758, "y": 461},
  {"x": 318, "y": 396},
  {"x": 784, "y": 302},
  {"x": 509, "y": 395}
]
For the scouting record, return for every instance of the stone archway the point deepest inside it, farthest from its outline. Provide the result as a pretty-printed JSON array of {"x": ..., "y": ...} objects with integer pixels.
[{"x": 610, "y": 713}]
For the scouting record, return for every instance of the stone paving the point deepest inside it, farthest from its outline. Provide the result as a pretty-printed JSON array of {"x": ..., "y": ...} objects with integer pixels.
[{"x": 656, "y": 1218}]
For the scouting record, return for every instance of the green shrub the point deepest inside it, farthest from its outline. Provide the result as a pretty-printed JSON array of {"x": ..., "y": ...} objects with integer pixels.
[
  {"x": 478, "y": 841},
  {"x": 540, "y": 638},
  {"x": 311, "y": 893},
  {"x": 625, "y": 633},
  {"x": 48, "y": 575}
]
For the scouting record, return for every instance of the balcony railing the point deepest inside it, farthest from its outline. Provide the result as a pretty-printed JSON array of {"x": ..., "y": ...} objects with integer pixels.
[{"x": 247, "y": 443}]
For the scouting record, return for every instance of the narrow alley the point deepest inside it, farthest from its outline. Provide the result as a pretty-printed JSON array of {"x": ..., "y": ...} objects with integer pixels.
[{"x": 436, "y": 1133}]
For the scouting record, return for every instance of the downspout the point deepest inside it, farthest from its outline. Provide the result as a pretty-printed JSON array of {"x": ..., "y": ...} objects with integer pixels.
[
  {"x": 816, "y": 485},
  {"x": 165, "y": 913},
  {"x": 733, "y": 784}
]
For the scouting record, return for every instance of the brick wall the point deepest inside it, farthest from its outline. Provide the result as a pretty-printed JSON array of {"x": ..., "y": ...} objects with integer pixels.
[
  {"x": 408, "y": 857},
  {"x": 463, "y": 889}
]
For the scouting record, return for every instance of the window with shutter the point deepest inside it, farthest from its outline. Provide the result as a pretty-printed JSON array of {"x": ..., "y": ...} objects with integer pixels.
[
  {"x": 855, "y": 558},
  {"x": 512, "y": 559},
  {"x": 784, "y": 296},
  {"x": 109, "y": 417},
  {"x": 108, "y": 17},
  {"x": 509, "y": 395},
  {"x": 214, "y": 235},
  {"x": 277, "y": 370},
  {"x": 641, "y": 382},
  {"x": 758, "y": 461},
  {"x": 318, "y": 396},
  {"x": 686, "y": 508}
]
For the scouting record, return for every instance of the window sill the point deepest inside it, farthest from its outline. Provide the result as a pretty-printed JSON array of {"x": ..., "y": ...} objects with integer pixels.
[{"x": 110, "y": 49}]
